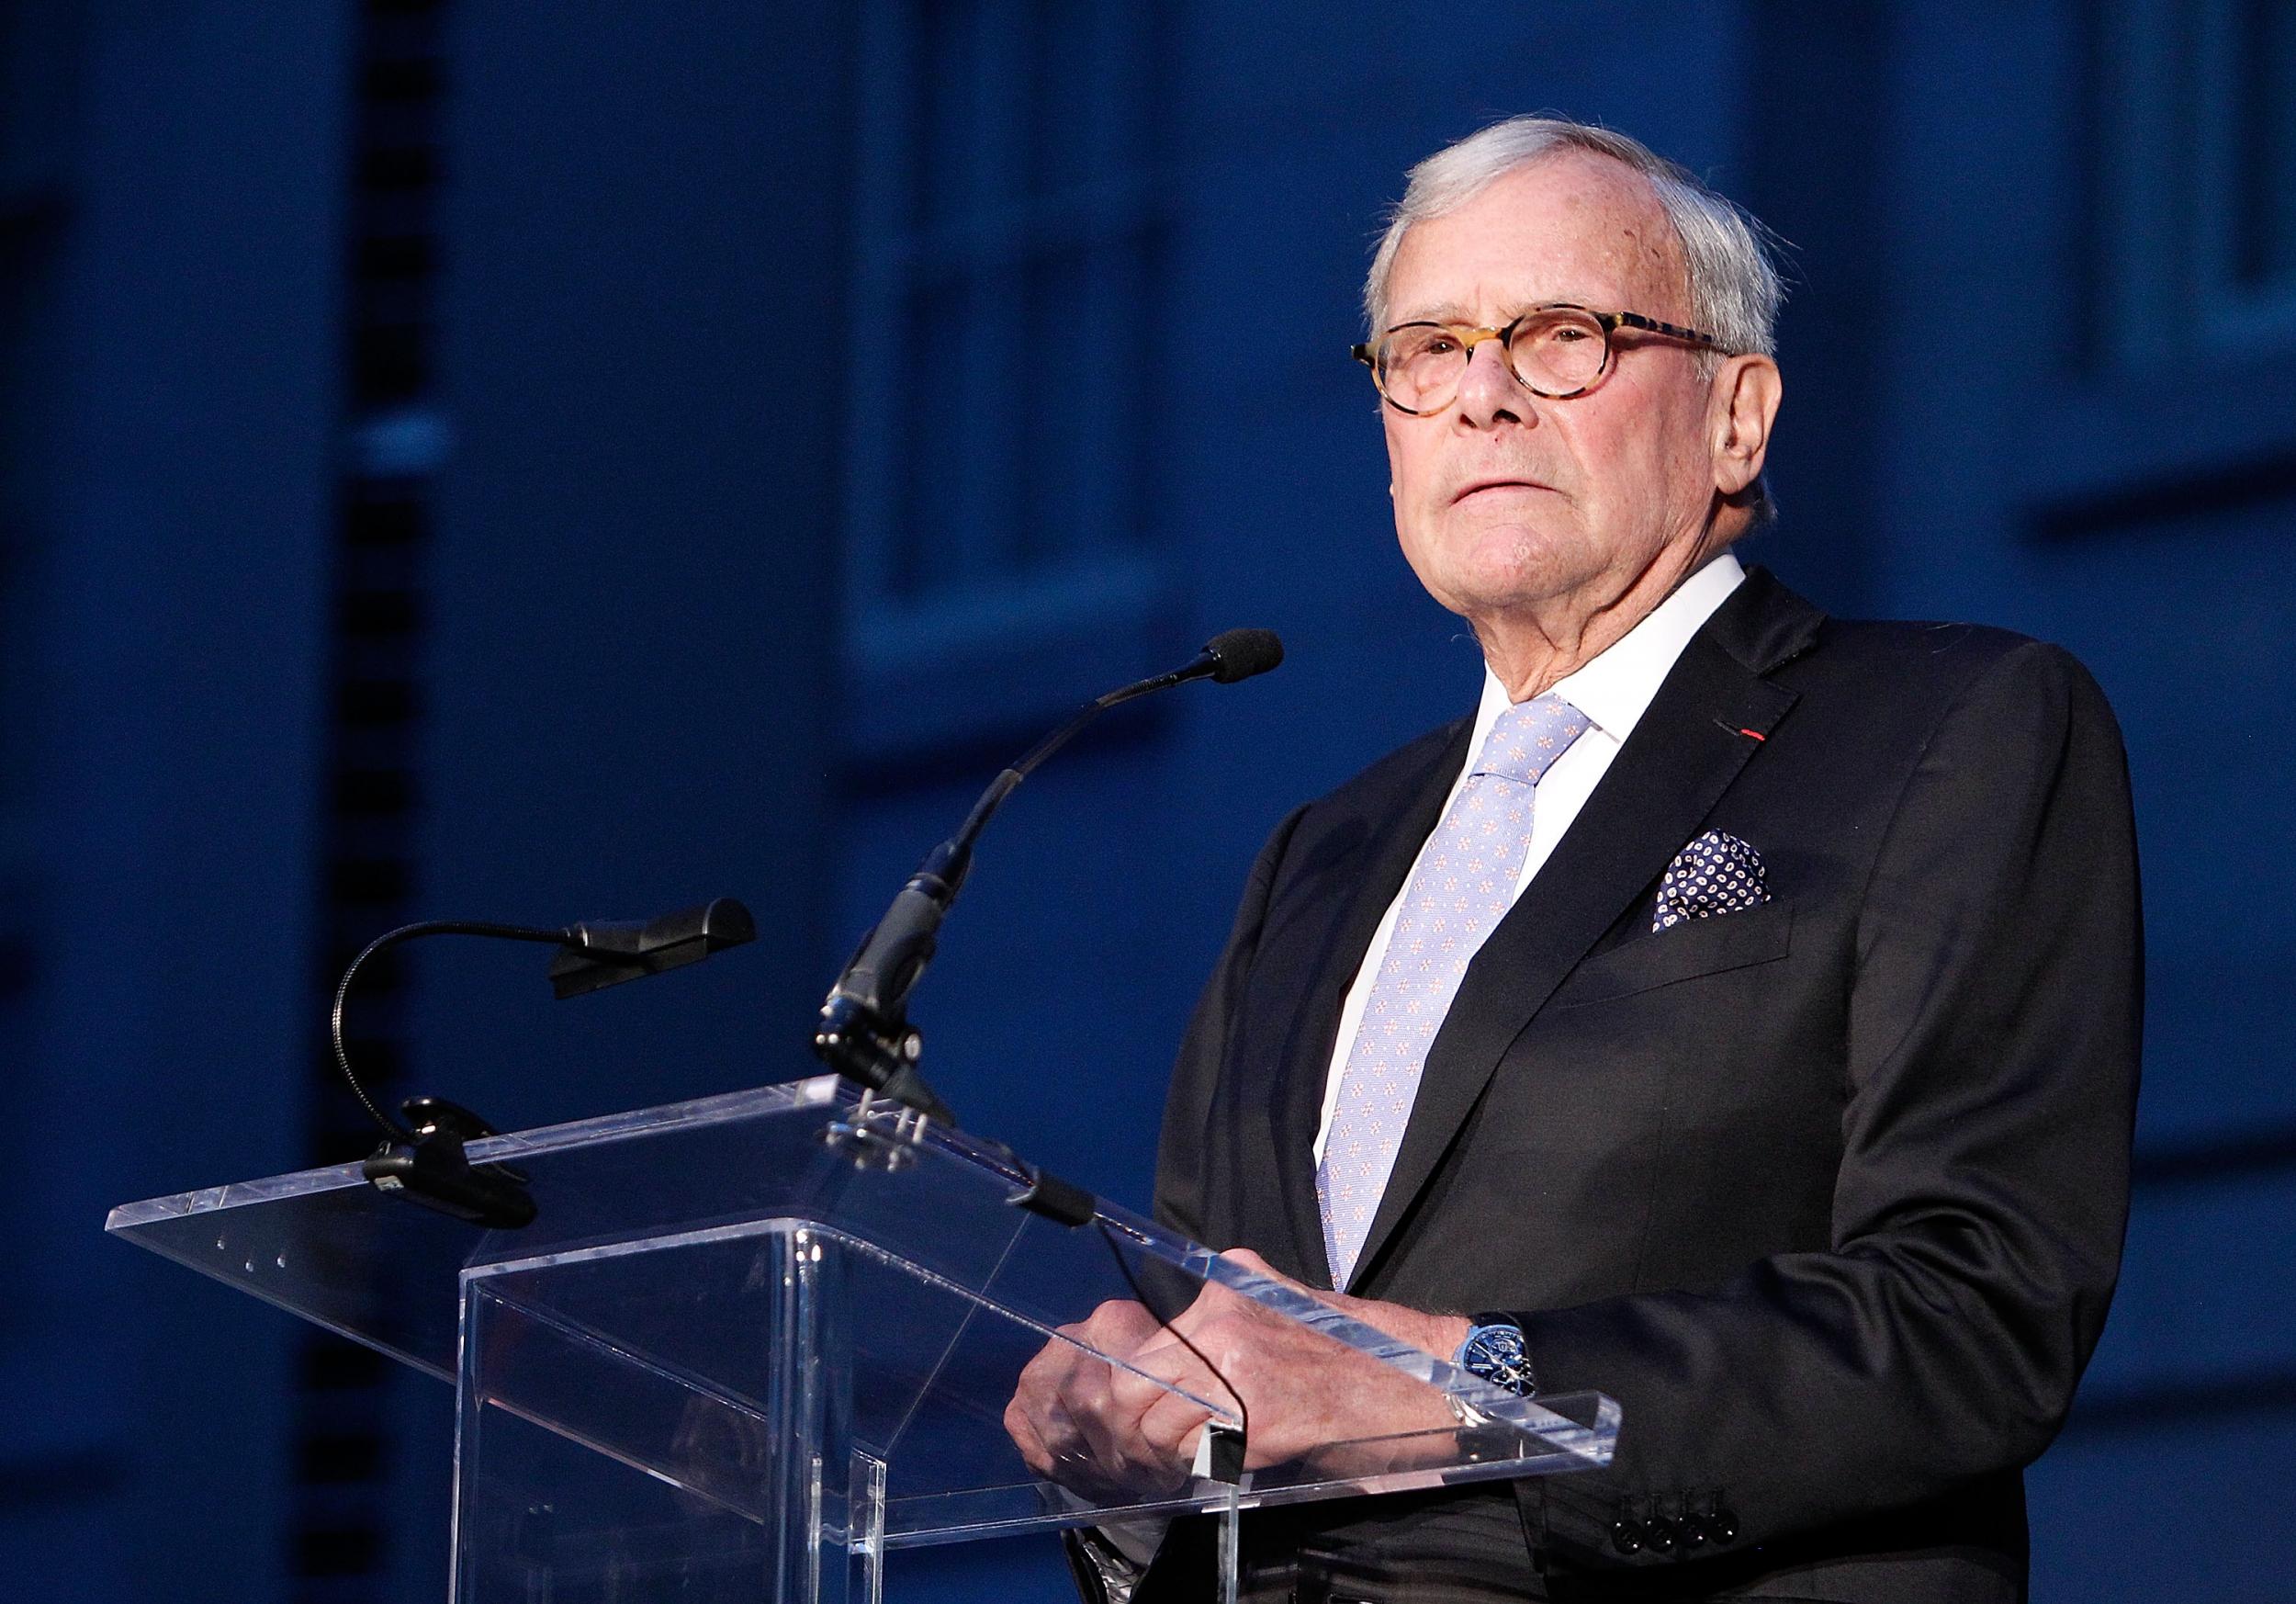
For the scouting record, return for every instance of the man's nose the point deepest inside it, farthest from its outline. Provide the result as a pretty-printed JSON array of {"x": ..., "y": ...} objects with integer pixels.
[{"x": 1488, "y": 390}]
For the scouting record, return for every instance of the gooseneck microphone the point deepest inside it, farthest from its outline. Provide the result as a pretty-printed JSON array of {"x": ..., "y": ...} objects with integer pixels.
[
  {"x": 864, "y": 1032},
  {"x": 423, "y": 1158}
]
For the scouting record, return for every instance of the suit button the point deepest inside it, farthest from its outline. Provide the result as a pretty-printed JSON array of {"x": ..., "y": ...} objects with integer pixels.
[
  {"x": 1693, "y": 1531},
  {"x": 1721, "y": 1526},
  {"x": 1660, "y": 1535},
  {"x": 1626, "y": 1537}
]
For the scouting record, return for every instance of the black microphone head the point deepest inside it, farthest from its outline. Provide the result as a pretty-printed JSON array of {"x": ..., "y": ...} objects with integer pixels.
[{"x": 1241, "y": 653}]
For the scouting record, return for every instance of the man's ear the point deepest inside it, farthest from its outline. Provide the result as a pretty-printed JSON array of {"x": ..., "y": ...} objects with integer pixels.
[{"x": 1741, "y": 405}]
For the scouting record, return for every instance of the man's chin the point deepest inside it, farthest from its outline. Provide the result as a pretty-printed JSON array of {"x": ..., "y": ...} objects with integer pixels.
[
  {"x": 1474, "y": 564},
  {"x": 1488, "y": 592}
]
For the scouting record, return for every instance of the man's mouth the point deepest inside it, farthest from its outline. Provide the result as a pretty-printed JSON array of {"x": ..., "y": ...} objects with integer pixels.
[{"x": 1480, "y": 486}]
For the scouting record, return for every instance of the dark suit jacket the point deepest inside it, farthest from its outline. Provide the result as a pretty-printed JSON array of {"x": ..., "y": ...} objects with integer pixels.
[{"x": 1830, "y": 1193}]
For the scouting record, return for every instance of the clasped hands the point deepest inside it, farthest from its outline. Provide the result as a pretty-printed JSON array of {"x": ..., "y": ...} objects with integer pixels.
[{"x": 1090, "y": 1425}]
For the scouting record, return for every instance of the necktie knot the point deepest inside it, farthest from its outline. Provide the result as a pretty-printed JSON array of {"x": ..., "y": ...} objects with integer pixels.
[{"x": 1528, "y": 737}]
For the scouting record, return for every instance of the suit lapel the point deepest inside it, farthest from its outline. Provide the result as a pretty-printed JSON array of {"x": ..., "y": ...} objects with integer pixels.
[
  {"x": 1391, "y": 823},
  {"x": 1707, "y": 720}
]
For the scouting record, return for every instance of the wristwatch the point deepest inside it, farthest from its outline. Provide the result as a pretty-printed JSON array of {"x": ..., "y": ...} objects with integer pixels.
[{"x": 1493, "y": 1351}]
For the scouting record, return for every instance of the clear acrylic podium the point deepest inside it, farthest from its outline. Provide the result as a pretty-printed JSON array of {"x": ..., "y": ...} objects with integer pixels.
[{"x": 753, "y": 1344}]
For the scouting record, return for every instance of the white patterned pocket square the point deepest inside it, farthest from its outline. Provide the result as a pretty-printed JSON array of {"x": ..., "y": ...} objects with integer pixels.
[{"x": 1716, "y": 873}]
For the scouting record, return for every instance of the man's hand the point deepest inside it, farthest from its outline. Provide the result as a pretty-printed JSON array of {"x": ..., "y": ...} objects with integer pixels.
[
  {"x": 1063, "y": 1417},
  {"x": 1084, "y": 1422}
]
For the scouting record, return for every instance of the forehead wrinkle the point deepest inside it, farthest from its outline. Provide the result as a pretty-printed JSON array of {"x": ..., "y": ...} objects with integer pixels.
[
  {"x": 1444, "y": 312},
  {"x": 1452, "y": 315},
  {"x": 1455, "y": 314}
]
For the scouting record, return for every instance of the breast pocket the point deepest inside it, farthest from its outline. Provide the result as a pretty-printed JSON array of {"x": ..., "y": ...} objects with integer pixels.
[{"x": 1686, "y": 951}]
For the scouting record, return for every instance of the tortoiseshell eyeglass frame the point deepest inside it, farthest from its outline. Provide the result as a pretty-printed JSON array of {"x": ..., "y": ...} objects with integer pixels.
[{"x": 1609, "y": 322}]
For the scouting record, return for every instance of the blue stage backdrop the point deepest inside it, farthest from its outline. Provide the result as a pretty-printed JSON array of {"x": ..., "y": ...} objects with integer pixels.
[{"x": 463, "y": 457}]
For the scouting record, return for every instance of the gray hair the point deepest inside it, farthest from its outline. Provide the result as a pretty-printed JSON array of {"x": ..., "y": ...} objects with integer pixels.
[{"x": 1733, "y": 284}]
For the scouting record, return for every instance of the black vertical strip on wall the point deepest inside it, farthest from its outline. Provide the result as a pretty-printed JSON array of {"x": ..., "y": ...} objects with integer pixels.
[
  {"x": 340, "y": 1537},
  {"x": 37, "y": 62}
]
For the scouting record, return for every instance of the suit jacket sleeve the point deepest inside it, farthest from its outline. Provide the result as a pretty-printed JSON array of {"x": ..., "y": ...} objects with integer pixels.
[
  {"x": 1181, "y": 1151},
  {"x": 1989, "y": 1092}
]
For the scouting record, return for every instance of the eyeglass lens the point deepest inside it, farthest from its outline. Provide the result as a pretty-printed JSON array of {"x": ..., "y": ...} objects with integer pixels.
[{"x": 1554, "y": 353}]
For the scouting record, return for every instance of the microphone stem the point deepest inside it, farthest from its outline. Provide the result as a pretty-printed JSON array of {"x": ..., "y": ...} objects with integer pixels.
[
  {"x": 863, "y": 1030},
  {"x": 960, "y": 845},
  {"x": 1062, "y": 736},
  {"x": 951, "y": 861},
  {"x": 392, "y": 1128}
]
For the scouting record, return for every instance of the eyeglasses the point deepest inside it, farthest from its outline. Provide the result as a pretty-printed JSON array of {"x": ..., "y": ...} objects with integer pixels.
[{"x": 1556, "y": 350}]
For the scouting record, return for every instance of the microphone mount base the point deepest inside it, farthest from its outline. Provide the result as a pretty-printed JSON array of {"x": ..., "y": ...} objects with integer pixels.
[
  {"x": 880, "y": 1134},
  {"x": 877, "y": 1053}
]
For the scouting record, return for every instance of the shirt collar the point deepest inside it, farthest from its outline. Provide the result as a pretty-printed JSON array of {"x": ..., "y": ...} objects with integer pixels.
[{"x": 1616, "y": 688}]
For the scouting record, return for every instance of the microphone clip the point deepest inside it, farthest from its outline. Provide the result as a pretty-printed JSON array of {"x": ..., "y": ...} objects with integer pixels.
[{"x": 430, "y": 1167}]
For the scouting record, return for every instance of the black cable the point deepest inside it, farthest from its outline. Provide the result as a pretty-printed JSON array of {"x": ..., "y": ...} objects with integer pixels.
[
  {"x": 1242, "y": 1410},
  {"x": 392, "y": 1129}
]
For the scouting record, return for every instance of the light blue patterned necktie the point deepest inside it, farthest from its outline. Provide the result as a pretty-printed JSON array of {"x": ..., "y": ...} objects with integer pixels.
[{"x": 1462, "y": 886}]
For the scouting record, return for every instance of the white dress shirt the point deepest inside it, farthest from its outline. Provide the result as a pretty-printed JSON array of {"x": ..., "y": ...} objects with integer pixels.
[{"x": 1612, "y": 691}]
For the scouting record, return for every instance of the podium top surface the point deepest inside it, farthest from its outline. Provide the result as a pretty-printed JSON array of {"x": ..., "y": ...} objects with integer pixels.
[
  {"x": 325, "y": 1244},
  {"x": 658, "y": 1269}
]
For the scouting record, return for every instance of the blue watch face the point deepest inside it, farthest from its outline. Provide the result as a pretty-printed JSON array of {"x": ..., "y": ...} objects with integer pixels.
[{"x": 1496, "y": 1354}]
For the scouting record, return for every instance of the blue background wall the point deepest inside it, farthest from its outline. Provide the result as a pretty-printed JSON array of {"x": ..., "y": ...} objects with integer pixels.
[{"x": 458, "y": 457}]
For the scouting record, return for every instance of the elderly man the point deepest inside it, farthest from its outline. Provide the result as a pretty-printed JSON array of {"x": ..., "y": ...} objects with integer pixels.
[{"x": 1738, "y": 1014}]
